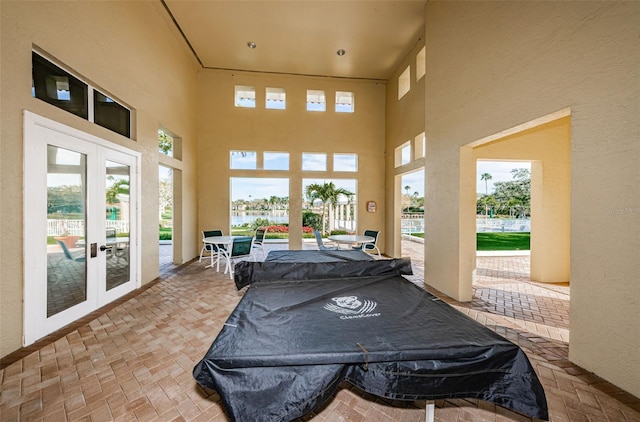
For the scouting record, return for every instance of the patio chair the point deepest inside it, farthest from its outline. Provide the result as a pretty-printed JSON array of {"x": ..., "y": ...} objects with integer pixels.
[
  {"x": 75, "y": 257},
  {"x": 372, "y": 246},
  {"x": 258, "y": 240},
  {"x": 240, "y": 248},
  {"x": 321, "y": 245},
  {"x": 212, "y": 250}
]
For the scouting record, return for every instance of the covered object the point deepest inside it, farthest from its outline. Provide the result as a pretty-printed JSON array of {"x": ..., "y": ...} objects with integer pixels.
[{"x": 289, "y": 343}]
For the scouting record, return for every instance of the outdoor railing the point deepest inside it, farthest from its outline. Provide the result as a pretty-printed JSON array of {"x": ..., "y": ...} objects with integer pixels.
[{"x": 76, "y": 227}]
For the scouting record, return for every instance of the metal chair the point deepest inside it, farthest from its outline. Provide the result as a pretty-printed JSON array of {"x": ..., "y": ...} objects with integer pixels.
[
  {"x": 212, "y": 250},
  {"x": 321, "y": 245},
  {"x": 76, "y": 257},
  {"x": 371, "y": 246},
  {"x": 240, "y": 248},
  {"x": 258, "y": 240}
]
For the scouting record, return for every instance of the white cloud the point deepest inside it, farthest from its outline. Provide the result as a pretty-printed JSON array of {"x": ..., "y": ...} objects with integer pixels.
[{"x": 500, "y": 171}]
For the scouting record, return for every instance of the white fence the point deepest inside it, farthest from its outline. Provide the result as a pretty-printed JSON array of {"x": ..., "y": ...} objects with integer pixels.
[
  {"x": 416, "y": 225},
  {"x": 503, "y": 225},
  {"x": 76, "y": 227}
]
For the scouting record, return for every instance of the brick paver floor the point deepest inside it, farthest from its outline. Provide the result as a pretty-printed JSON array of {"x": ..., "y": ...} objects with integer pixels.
[{"x": 133, "y": 361}]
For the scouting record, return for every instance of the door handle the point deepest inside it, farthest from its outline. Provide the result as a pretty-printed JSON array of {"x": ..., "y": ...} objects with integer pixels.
[{"x": 104, "y": 248}]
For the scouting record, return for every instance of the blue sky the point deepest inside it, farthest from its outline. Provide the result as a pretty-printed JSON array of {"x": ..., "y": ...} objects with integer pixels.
[
  {"x": 500, "y": 171},
  {"x": 242, "y": 187}
]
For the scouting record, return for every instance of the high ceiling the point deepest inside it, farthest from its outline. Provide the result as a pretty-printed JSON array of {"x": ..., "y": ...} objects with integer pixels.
[{"x": 302, "y": 36}]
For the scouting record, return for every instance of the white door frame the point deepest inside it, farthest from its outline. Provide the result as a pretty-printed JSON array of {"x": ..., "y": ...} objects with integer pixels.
[{"x": 38, "y": 132}]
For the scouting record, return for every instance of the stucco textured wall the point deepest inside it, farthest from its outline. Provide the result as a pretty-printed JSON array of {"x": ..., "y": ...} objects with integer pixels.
[
  {"x": 223, "y": 127},
  {"x": 492, "y": 66},
  {"x": 404, "y": 121},
  {"x": 133, "y": 52}
]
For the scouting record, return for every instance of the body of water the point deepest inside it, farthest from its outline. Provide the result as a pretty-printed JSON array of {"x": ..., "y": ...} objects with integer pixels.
[{"x": 239, "y": 218}]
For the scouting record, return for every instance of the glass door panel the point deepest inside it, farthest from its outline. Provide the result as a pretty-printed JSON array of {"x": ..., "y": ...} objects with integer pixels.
[
  {"x": 117, "y": 228},
  {"x": 66, "y": 233}
]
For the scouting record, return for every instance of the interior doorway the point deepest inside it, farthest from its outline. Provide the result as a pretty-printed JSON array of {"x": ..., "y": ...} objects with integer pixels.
[
  {"x": 503, "y": 207},
  {"x": 165, "y": 217},
  {"x": 412, "y": 229}
]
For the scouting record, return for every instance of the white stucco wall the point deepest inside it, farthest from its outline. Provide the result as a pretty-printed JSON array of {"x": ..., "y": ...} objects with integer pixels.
[{"x": 492, "y": 66}]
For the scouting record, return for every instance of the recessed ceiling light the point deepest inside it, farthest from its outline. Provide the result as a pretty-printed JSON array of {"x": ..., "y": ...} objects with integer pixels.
[
  {"x": 251, "y": 44},
  {"x": 341, "y": 52}
]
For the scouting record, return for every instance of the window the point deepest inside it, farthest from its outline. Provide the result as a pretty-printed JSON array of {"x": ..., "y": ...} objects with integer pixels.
[
  {"x": 243, "y": 160},
  {"x": 420, "y": 145},
  {"x": 52, "y": 84},
  {"x": 259, "y": 201},
  {"x": 58, "y": 87},
  {"x": 344, "y": 102},
  {"x": 403, "y": 154},
  {"x": 165, "y": 143},
  {"x": 276, "y": 98},
  {"x": 321, "y": 211},
  {"x": 345, "y": 162},
  {"x": 111, "y": 115},
  {"x": 276, "y": 160},
  {"x": 404, "y": 82},
  {"x": 316, "y": 100},
  {"x": 314, "y": 161},
  {"x": 245, "y": 96},
  {"x": 421, "y": 63}
]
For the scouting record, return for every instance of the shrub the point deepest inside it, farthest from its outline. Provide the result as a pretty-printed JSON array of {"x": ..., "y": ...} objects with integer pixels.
[
  {"x": 311, "y": 219},
  {"x": 339, "y": 232},
  {"x": 260, "y": 222}
]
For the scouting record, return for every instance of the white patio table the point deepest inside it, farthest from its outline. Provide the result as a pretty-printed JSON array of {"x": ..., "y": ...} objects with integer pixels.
[
  {"x": 227, "y": 242},
  {"x": 351, "y": 239}
]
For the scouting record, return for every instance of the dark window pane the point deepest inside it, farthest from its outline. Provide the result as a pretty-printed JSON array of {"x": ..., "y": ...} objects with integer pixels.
[
  {"x": 108, "y": 113},
  {"x": 58, "y": 87}
]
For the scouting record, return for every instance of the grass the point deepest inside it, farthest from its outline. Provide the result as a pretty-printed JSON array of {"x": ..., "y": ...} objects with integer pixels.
[
  {"x": 490, "y": 241},
  {"x": 165, "y": 233},
  {"x": 503, "y": 241}
]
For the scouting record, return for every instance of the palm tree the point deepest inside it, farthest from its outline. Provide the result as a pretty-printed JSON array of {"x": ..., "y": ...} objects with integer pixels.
[
  {"x": 328, "y": 194},
  {"x": 486, "y": 177},
  {"x": 407, "y": 188}
]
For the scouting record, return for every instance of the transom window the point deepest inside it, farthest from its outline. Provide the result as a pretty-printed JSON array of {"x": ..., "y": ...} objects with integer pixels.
[
  {"x": 345, "y": 102},
  {"x": 420, "y": 145},
  {"x": 244, "y": 160},
  {"x": 316, "y": 100},
  {"x": 421, "y": 63},
  {"x": 58, "y": 87},
  {"x": 314, "y": 161},
  {"x": 345, "y": 162},
  {"x": 245, "y": 96},
  {"x": 403, "y": 154},
  {"x": 276, "y": 98},
  {"x": 404, "y": 82},
  {"x": 276, "y": 160}
]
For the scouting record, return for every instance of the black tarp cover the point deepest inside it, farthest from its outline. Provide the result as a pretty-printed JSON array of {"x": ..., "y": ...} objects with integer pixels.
[
  {"x": 288, "y": 344},
  {"x": 318, "y": 256},
  {"x": 247, "y": 272}
]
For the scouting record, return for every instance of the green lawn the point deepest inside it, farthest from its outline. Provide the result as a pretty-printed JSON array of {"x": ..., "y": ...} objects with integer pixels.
[
  {"x": 503, "y": 241},
  {"x": 165, "y": 233},
  {"x": 499, "y": 241}
]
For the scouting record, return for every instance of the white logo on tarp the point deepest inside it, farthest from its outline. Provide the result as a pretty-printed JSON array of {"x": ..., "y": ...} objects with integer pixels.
[{"x": 351, "y": 307}]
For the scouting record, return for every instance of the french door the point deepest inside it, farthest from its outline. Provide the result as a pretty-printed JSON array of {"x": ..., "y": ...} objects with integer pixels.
[{"x": 80, "y": 224}]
